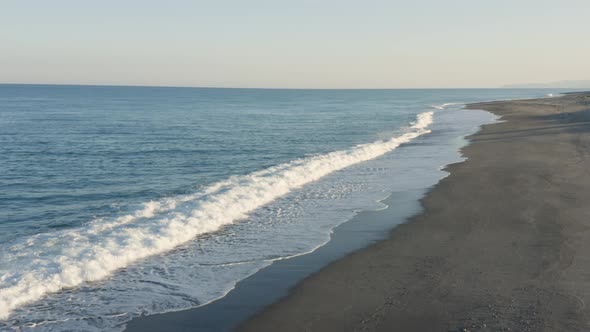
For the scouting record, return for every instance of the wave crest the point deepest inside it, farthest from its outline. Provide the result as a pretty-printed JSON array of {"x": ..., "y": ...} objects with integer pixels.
[{"x": 58, "y": 260}]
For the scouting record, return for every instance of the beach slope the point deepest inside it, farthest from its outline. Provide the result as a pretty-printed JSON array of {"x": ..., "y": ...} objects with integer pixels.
[{"x": 502, "y": 243}]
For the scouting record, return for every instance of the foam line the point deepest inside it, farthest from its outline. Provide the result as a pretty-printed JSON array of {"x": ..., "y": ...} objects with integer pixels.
[
  {"x": 444, "y": 106},
  {"x": 47, "y": 263}
]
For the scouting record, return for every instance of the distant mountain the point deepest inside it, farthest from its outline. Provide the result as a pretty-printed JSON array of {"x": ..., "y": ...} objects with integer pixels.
[{"x": 581, "y": 84}]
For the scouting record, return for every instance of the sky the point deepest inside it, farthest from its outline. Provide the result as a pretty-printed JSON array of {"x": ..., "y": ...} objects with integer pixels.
[{"x": 295, "y": 43}]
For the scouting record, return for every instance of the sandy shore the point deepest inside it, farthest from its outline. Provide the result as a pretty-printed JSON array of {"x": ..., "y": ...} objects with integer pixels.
[{"x": 503, "y": 243}]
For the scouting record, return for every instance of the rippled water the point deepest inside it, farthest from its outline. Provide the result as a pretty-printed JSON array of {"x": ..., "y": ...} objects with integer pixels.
[{"x": 120, "y": 201}]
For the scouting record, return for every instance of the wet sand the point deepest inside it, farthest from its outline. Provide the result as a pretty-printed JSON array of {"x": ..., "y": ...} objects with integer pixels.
[{"x": 503, "y": 242}]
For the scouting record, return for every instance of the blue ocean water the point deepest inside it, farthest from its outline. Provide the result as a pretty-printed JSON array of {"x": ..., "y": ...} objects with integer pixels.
[{"x": 121, "y": 201}]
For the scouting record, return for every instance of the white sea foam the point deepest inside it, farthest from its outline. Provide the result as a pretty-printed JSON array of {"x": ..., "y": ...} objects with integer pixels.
[
  {"x": 553, "y": 95},
  {"x": 443, "y": 106},
  {"x": 69, "y": 258}
]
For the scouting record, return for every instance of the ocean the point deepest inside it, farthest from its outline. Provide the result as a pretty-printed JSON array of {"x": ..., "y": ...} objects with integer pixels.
[{"x": 117, "y": 202}]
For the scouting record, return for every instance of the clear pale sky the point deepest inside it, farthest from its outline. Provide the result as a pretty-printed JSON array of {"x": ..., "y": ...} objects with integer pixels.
[{"x": 295, "y": 44}]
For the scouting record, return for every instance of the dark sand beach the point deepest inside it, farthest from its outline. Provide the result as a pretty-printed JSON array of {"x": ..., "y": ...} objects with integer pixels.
[{"x": 502, "y": 243}]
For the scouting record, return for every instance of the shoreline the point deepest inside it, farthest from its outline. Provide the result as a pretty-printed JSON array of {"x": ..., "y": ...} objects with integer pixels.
[
  {"x": 252, "y": 306},
  {"x": 510, "y": 257},
  {"x": 252, "y": 295},
  {"x": 367, "y": 227}
]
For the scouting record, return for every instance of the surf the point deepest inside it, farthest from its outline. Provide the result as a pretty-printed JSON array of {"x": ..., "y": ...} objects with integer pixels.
[{"x": 50, "y": 262}]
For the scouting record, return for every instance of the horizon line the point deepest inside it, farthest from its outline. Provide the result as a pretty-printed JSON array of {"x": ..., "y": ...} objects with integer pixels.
[
  {"x": 247, "y": 88},
  {"x": 506, "y": 87}
]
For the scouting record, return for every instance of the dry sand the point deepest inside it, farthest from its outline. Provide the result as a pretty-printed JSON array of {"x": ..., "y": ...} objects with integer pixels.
[{"x": 503, "y": 242}]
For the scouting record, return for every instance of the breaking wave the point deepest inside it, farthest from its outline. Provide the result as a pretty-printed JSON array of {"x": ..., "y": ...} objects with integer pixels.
[
  {"x": 49, "y": 262},
  {"x": 443, "y": 106}
]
